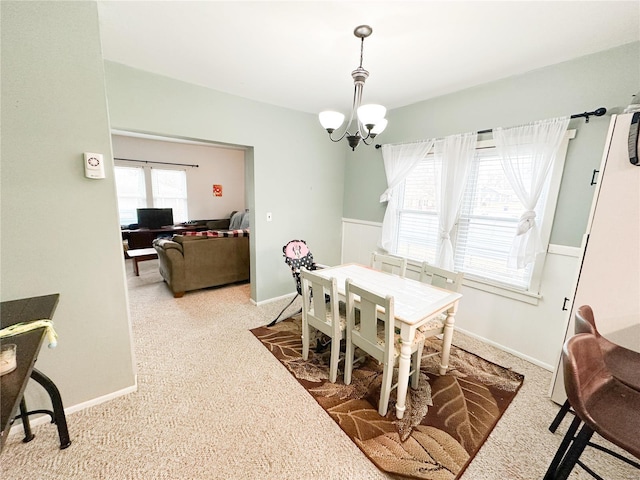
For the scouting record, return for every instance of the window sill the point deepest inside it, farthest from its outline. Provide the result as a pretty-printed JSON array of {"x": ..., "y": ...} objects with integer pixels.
[{"x": 519, "y": 295}]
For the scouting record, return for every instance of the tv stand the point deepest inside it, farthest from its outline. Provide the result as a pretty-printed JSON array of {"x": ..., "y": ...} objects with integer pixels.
[{"x": 143, "y": 237}]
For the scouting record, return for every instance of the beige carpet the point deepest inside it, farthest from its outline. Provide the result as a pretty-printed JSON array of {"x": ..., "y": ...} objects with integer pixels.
[{"x": 213, "y": 403}]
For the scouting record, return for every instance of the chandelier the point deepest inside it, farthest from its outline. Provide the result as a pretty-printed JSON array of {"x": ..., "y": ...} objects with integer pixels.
[{"x": 369, "y": 118}]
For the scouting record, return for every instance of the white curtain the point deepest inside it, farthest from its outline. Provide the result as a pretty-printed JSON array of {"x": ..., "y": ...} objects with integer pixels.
[
  {"x": 527, "y": 153},
  {"x": 399, "y": 160},
  {"x": 455, "y": 153},
  {"x": 132, "y": 193}
]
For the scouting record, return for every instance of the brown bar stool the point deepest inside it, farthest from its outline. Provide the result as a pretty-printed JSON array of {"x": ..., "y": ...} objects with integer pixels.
[
  {"x": 623, "y": 363},
  {"x": 601, "y": 402}
]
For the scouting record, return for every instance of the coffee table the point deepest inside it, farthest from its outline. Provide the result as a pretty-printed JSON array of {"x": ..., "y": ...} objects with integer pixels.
[{"x": 140, "y": 255}]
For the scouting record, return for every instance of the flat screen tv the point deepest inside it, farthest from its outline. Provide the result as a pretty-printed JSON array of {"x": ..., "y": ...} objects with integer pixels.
[{"x": 154, "y": 217}]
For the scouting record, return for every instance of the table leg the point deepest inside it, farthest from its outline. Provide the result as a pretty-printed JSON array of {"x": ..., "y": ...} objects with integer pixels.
[
  {"x": 447, "y": 338},
  {"x": 59, "y": 417},
  {"x": 135, "y": 266},
  {"x": 404, "y": 366},
  {"x": 26, "y": 426}
]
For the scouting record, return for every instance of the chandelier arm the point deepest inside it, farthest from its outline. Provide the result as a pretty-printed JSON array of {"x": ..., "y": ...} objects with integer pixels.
[
  {"x": 348, "y": 124},
  {"x": 357, "y": 94},
  {"x": 346, "y": 132},
  {"x": 364, "y": 139}
]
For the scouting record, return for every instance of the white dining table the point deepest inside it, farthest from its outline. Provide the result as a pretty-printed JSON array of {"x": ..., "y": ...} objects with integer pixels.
[{"x": 415, "y": 303}]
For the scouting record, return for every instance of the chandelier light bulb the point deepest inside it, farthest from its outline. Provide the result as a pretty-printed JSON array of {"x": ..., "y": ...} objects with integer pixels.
[
  {"x": 331, "y": 120},
  {"x": 371, "y": 114},
  {"x": 379, "y": 127}
]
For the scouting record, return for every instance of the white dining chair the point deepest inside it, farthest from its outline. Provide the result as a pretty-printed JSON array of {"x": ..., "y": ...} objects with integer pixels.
[
  {"x": 320, "y": 310},
  {"x": 438, "y": 277},
  {"x": 374, "y": 332},
  {"x": 389, "y": 263}
]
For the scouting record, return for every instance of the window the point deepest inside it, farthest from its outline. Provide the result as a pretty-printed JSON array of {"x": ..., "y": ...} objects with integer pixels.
[
  {"x": 168, "y": 190},
  {"x": 489, "y": 216},
  {"x": 131, "y": 191},
  {"x": 488, "y": 221}
]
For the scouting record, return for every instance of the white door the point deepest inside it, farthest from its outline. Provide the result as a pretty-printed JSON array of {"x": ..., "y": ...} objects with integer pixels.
[{"x": 610, "y": 276}]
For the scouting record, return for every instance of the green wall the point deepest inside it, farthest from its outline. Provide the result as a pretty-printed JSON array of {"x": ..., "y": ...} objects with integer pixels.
[
  {"x": 606, "y": 79},
  {"x": 60, "y": 231},
  {"x": 293, "y": 171}
]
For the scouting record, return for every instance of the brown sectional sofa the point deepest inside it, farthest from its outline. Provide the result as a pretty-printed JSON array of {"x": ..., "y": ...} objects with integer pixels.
[{"x": 194, "y": 262}]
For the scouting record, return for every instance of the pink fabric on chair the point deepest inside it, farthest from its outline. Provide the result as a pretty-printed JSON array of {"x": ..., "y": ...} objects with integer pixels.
[{"x": 296, "y": 249}]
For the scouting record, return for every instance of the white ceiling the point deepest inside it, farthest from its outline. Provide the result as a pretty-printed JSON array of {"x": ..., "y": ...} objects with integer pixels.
[{"x": 300, "y": 54}]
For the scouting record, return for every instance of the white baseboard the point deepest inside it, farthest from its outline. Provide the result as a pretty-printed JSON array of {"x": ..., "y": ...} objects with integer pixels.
[
  {"x": 508, "y": 350},
  {"x": 41, "y": 419},
  {"x": 271, "y": 300}
]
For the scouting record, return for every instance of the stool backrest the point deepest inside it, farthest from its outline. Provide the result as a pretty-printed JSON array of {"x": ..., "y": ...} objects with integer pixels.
[
  {"x": 585, "y": 371},
  {"x": 585, "y": 321}
]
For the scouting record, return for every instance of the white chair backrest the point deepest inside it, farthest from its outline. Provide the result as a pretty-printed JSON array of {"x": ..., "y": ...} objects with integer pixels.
[
  {"x": 389, "y": 263},
  {"x": 320, "y": 313},
  {"x": 373, "y": 308},
  {"x": 439, "y": 277}
]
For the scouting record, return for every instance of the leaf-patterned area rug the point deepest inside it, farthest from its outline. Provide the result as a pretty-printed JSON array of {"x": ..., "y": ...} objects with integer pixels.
[{"x": 447, "y": 419}]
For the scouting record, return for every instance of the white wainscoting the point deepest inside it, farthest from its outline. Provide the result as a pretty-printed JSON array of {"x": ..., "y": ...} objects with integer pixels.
[
  {"x": 359, "y": 239},
  {"x": 532, "y": 332}
]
